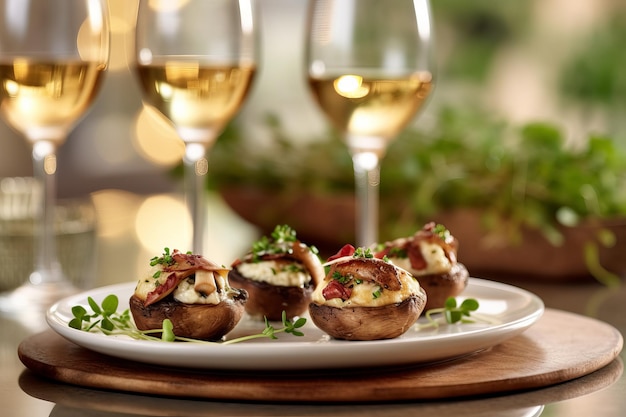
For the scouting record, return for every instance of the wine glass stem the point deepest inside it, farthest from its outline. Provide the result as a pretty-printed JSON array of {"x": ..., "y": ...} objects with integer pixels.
[
  {"x": 367, "y": 180},
  {"x": 196, "y": 169},
  {"x": 47, "y": 268}
]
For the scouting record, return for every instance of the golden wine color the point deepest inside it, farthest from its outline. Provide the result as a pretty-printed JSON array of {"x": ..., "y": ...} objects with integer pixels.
[
  {"x": 43, "y": 99},
  {"x": 195, "y": 96},
  {"x": 371, "y": 107}
]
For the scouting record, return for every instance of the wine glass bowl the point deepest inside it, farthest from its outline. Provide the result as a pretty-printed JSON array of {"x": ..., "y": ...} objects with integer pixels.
[
  {"x": 369, "y": 67},
  {"x": 195, "y": 62},
  {"x": 53, "y": 56},
  {"x": 371, "y": 110}
]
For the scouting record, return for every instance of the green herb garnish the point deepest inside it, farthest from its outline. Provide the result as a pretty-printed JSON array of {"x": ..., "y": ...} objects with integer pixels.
[
  {"x": 441, "y": 231},
  {"x": 166, "y": 259},
  {"x": 283, "y": 233},
  {"x": 342, "y": 279},
  {"x": 105, "y": 319},
  {"x": 293, "y": 268},
  {"x": 280, "y": 241},
  {"x": 290, "y": 327},
  {"x": 398, "y": 253},
  {"x": 363, "y": 253},
  {"x": 452, "y": 312}
]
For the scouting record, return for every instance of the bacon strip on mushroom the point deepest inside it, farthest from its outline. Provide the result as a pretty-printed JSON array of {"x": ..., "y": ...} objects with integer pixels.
[
  {"x": 184, "y": 266},
  {"x": 300, "y": 253},
  {"x": 412, "y": 248},
  {"x": 369, "y": 269}
]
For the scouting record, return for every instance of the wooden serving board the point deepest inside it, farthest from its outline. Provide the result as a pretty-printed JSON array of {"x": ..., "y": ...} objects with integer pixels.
[{"x": 561, "y": 346}]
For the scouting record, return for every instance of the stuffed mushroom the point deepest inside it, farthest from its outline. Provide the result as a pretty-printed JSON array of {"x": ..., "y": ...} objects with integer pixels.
[
  {"x": 279, "y": 273},
  {"x": 431, "y": 256},
  {"x": 191, "y": 291},
  {"x": 365, "y": 298}
]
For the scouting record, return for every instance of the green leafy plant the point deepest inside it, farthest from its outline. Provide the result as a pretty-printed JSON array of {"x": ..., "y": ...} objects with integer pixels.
[
  {"x": 594, "y": 74},
  {"x": 104, "y": 318},
  {"x": 518, "y": 176},
  {"x": 479, "y": 30}
]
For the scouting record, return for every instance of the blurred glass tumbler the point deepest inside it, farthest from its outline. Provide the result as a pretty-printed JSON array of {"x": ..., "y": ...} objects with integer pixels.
[{"x": 75, "y": 226}]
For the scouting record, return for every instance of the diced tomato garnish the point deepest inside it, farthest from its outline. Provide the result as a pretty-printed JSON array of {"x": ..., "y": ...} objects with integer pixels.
[
  {"x": 335, "y": 290},
  {"x": 416, "y": 258},
  {"x": 381, "y": 254}
]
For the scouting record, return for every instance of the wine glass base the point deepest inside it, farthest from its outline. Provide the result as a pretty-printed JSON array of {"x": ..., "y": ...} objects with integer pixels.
[{"x": 28, "y": 303}]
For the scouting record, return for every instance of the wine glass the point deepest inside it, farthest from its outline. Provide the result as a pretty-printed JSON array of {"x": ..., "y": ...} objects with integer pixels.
[
  {"x": 195, "y": 60},
  {"x": 369, "y": 67},
  {"x": 53, "y": 56}
]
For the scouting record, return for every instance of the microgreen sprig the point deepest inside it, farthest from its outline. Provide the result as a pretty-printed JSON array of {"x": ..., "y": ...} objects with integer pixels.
[
  {"x": 289, "y": 326},
  {"x": 452, "y": 313},
  {"x": 105, "y": 319},
  {"x": 277, "y": 243}
]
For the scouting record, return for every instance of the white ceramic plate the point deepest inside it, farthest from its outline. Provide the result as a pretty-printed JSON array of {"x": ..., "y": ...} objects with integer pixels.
[{"x": 510, "y": 310}]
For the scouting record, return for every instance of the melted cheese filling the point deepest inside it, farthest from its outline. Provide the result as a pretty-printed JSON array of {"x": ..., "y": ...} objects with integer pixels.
[
  {"x": 370, "y": 294},
  {"x": 275, "y": 273},
  {"x": 148, "y": 282},
  {"x": 185, "y": 293},
  {"x": 436, "y": 260}
]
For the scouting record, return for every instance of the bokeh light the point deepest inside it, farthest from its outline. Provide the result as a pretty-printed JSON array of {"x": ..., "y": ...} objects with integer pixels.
[
  {"x": 115, "y": 210},
  {"x": 156, "y": 140},
  {"x": 163, "y": 221},
  {"x": 167, "y": 5},
  {"x": 122, "y": 16}
]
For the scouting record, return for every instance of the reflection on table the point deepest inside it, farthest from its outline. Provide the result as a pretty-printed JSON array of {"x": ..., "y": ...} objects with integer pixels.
[{"x": 71, "y": 400}]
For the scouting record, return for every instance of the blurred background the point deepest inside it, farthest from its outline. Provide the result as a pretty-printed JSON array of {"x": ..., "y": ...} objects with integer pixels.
[{"x": 522, "y": 142}]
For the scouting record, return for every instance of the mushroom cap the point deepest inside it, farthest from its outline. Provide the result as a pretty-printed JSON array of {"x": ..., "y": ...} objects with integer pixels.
[
  {"x": 268, "y": 300},
  {"x": 368, "y": 323},
  {"x": 196, "y": 321}
]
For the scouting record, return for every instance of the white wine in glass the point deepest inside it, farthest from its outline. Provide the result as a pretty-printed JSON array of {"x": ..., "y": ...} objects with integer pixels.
[
  {"x": 195, "y": 61},
  {"x": 53, "y": 56},
  {"x": 369, "y": 67}
]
